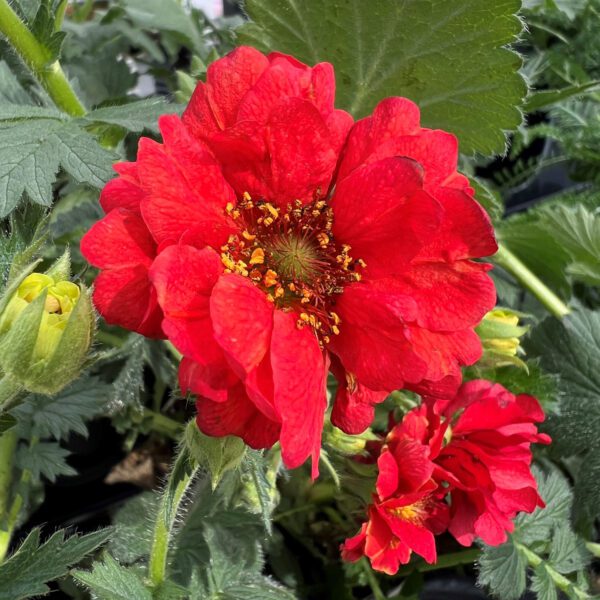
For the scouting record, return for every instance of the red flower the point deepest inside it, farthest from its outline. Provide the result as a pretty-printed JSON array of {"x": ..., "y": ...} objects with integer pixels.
[
  {"x": 486, "y": 458},
  {"x": 406, "y": 511},
  {"x": 267, "y": 236}
]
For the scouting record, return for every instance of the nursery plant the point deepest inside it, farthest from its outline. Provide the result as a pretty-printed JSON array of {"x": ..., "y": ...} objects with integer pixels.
[{"x": 300, "y": 302}]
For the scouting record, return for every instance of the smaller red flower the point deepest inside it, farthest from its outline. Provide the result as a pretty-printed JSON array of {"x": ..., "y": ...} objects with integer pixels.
[
  {"x": 406, "y": 511},
  {"x": 480, "y": 442}
]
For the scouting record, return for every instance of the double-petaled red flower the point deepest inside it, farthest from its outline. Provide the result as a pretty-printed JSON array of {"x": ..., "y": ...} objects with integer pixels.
[
  {"x": 473, "y": 451},
  {"x": 406, "y": 512},
  {"x": 271, "y": 239}
]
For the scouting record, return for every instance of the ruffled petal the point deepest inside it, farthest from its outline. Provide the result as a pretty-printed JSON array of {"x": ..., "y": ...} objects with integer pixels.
[
  {"x": 121, "y": 239},
  {"x": 381, "y": 212},
  {"x": 185, "y": 189},
  {"x": 242, "y": 320},
  {"x": 184, "y": 278},
  {"x": 237, "y": 415},
  {"x": 123, "y": 191},
  {"x": 299, "y": 375},
  {"x": 125, "y": 297}
]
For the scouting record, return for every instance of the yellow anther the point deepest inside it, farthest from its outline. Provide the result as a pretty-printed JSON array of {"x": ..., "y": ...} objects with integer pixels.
[
  {"x": 335, "y": 317},
  {"x": 270, "y": 298},
  {"x": 268, "y": 221},
  {"x": 312, "y": 320},
  {"x": 291, "y": 287},
  {"x": 229, "y": 207},
  {"x": 270, "y": 278},
  {"x": 326, "y": 339},
  {"x": 320, "y": 204},
  {"x": 258, "y": 257},
  {"x": 346, "y": 248},
  {"x": 279, "y": 291},
  {"x": 305, "y": 317},
  {"x": 236, "y": 214},
  {"x": 247, "y": 196},
  {"x": 227, "y": 261},
  {"x": 356, "y": 276},
  {"x": 272, "y": 210},
  {"x": 323, "y": 239},
  {"x": 248, "y": 236},
  {"x": 335, "y": 329},
  {"x": 361, "y": 262}
]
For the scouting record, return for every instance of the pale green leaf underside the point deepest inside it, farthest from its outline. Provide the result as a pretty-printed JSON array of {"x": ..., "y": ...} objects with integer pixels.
[{"x": 449, "y": 57}]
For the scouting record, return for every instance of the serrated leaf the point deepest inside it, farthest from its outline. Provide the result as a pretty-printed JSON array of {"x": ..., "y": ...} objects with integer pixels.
[
  {"x": 32, "y": 151},
  {"x": 448, "y": 57},
  {"x": 133, "y": 528},
  {"x": 130, "y": 382},
  {"x": 134, "y": 116},
  {"x": 542, "y": 584},
  {"x": 556, "y": 493},
  {"x": 46, "y": 459},
  {"x": 568, "y": 552},
  {"x": 546, "y": 98},
  {"x": 68, "y": 411},
  {"x": 26, "y": 572},
  {"x": 11, "y": 90},
  {"x": 110, "y": 581},
  {"x": 503, "y": 569}
]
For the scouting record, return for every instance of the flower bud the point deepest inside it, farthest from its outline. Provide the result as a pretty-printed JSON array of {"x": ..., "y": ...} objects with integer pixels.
[
  {"x": 499, "y": 333},
  {"x": 344, "y": 443},
  {"x": 46, "y": 329}
]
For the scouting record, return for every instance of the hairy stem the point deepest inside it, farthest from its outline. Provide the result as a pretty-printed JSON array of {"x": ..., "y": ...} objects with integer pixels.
[
  {"x": 38, "y": 58},
  {"x": 10, "y": 516},
  {"x": 164, "y": 425},
  {"x": 509, "y": 262},
  {"x": 179, "y": 481},
  {"x": 560, "y": 581}
]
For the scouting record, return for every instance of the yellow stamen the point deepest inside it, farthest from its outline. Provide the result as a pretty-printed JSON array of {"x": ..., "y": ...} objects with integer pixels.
[{"x": 258, "y": 257}]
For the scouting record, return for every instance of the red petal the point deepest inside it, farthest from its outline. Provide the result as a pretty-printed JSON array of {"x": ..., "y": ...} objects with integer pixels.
[
  {"x": 373, "y": 343},
  {"x": 184, "y": 278},
  {"x": 210, "y": 381},
  {"x": 237, "y": 416},
  {"x": 302, "y": 154},
  {"x": 391, "y": 118},
  {"x": 380, "y": 211},
  {"x": 185, "y": 189},
  {"x": 299, "y": 375},
  {"x": 214, "y": 105},
  {"x": 418, "y": 539},
  {"x": 121, "y": 239},
  {"x": 451, "y": 296},
  {"x": 123, "y": 191},
  {"x": 125, "y": 297},
  {"x": 242, "y": 319}
]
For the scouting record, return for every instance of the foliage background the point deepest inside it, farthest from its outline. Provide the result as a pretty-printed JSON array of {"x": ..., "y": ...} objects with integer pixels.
[{"x": 528, "y": 120}]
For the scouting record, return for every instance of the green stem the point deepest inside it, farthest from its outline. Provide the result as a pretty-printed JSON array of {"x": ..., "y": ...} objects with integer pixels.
[
  {"x": 509, "y": 262},
  {"x": 179, "y": 481},
  {"x": 372, "y": 579},
  {"x": 39, "y": 60},
  {"x": 560, "y": 581},
  {"x": 445, "y": 561},
  {"x": 10, "y": 516},
  {"x": 165, "y": 425}
]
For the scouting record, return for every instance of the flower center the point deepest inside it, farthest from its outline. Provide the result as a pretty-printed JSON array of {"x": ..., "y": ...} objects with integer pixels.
[
  {"x": 293, "y": 257},
  {"x": 413, "y": 513}
]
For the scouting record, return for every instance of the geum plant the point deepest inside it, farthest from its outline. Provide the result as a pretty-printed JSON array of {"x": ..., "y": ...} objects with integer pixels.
[{"x": 319, "y": 272}]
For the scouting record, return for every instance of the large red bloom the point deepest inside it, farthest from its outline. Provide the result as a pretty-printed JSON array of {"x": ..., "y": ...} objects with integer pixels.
[
  {"x": 268, "y": 237},
  {"x": 486, "y": 458}
]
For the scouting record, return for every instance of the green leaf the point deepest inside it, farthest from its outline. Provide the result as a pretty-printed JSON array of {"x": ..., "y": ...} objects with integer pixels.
[
  {"x": 68, "y": 411},
  {"x": 133, "y": 529},
  {"x": 577, "y": 230},
  {"x": 134, "y": 116},
  {"x": 10, "y": 89},
  {"x": 218, "y": 455},
  {"x": 542, "y": 584},
  {"x": 448, "y": 57},
  {"x": 110, "y": 581},
  {"x": 503, "y": 569},
  {"x": 27, "y": 571},
  {"x": 32, "y": 151},
  {"x": 570, "y": 348},
  {"x": 46, "y": 459},
  {"x": 547, "y": 98}
]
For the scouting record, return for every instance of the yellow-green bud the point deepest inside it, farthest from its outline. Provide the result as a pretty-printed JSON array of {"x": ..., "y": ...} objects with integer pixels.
[
  {"x": 45, "y": 330},
  {"x": 500, "y": 334},
  {"x": 348, "y": 445}
]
